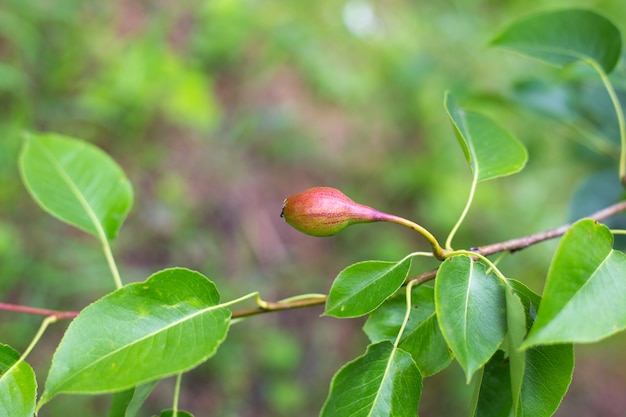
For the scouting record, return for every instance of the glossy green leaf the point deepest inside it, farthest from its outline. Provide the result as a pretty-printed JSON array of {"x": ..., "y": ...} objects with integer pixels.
[
  {"x": 76, "y": 182},
  {"x": 548, "y": 370},
  {"x": 18, "y": 386},
  {"x": 471, "y": 308},
  {"x": 494, "y": 391},
  {"x": 422, "y": 336},
  {"x": 144, "y": 331},
  {"x": 565, "y": 36},
  {"x": 127, "y": 403},
  {"x": 383, "y": 382},
  {"x": 585, "y": 286},
  {"x": 362, "y": 287},
  {"x": 490, "y": 150}
]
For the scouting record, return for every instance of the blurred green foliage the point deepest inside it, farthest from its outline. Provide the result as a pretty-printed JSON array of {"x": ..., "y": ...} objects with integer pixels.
[{"x": 218, "y": 110}]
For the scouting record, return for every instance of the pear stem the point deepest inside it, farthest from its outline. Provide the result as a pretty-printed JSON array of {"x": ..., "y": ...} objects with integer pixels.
[{"x": 438, "y": 251}]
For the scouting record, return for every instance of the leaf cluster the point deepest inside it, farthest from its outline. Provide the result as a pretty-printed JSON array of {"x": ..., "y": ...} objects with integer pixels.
[{"x": 514, "y": 345}]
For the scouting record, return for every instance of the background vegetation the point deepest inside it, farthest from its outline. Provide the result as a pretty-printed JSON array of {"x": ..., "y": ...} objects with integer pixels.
[{"x": 218, "y": 110}]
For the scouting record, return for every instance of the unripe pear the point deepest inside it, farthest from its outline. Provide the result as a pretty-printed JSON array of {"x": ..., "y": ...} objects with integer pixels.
[{"x": 325, "y": 211}]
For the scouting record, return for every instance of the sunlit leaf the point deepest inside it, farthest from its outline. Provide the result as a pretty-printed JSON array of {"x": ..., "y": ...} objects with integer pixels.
[
  {"x": 76, "y": 182},
  {"x": 471, "y": 307},
  {"x": 383, "y": 382},
  {"x": 144, "y": 331},
  {"x": 585, "y": 286},
  {"x": 422, "y": 336},
  {"x": 490, "y": 150},
  {"x": 363, "y": 286},
  {"x": 18, "y": 387},
  {"x": 564, "y": 36}
]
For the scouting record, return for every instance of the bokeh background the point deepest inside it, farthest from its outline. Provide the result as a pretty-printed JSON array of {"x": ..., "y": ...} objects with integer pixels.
[{"x": 219, "y": 109}]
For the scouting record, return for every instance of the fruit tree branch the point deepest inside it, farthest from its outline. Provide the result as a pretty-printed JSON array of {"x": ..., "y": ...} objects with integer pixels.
[{"x": 520, "y": 243}]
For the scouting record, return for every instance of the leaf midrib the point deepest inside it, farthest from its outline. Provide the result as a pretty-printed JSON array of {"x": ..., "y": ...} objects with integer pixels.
[
  {"x": 466, "y": 308},
  {"x": 367, "y": 283},
  {"x": 75, "y": 191},
  {"x": 382, "y": 380},
  {"x": 137, "y": 341}
]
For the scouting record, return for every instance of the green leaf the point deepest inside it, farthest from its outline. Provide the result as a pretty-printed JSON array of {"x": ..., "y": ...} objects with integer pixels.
[
  {"x": 547, "y": 376},
  {"x": 76, "y": 182},
  {"x": 144, "y": 331},
  {"x": 490, "y": 150},
  {"x": 422, "y": 336},
  {"x": 537, "y": 385},
  {"x": 383, "y": 382},
  {"x": 18, "y": 386},
  {"x": 598, "y": 190},
  {"x": 585, "y": 285},
  {"x": 516, "y": 326},
  {"x": 362, "y": 287},
  {"x": 127, "y": 403},
  {"x": 565, "y": 36},
  {"x": 530, "y": 300},
  {"x": 471, "y": 309},
  {"x": 494, "y": 392},
  {"x": 120, "y": 402},
  {"x": 548, "y": 373},
  {"x": 548, "y": 370}
]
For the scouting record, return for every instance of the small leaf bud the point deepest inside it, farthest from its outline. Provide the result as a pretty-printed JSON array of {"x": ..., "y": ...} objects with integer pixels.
[{"x": 325, "y": 211}]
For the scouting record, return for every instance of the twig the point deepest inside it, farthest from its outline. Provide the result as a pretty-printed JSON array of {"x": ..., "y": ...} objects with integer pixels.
[
  {"x": 520, "y": 243},
  {"x": 278, "y": 306},
  {"x": 423, "y": 277},
  {"x": 512, "y": 245},
  {"x": 517, "y": 244},
  {"x": 60, "y": 315}
]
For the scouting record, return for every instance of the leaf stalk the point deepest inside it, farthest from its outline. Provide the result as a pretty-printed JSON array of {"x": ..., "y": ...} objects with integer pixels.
[
  {"x": 438, "y": 251},
  {"x": 468, "y": 204}
]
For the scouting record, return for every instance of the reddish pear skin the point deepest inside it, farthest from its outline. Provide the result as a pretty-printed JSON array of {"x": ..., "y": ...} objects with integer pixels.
[{"x": 326, "y": 211}]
